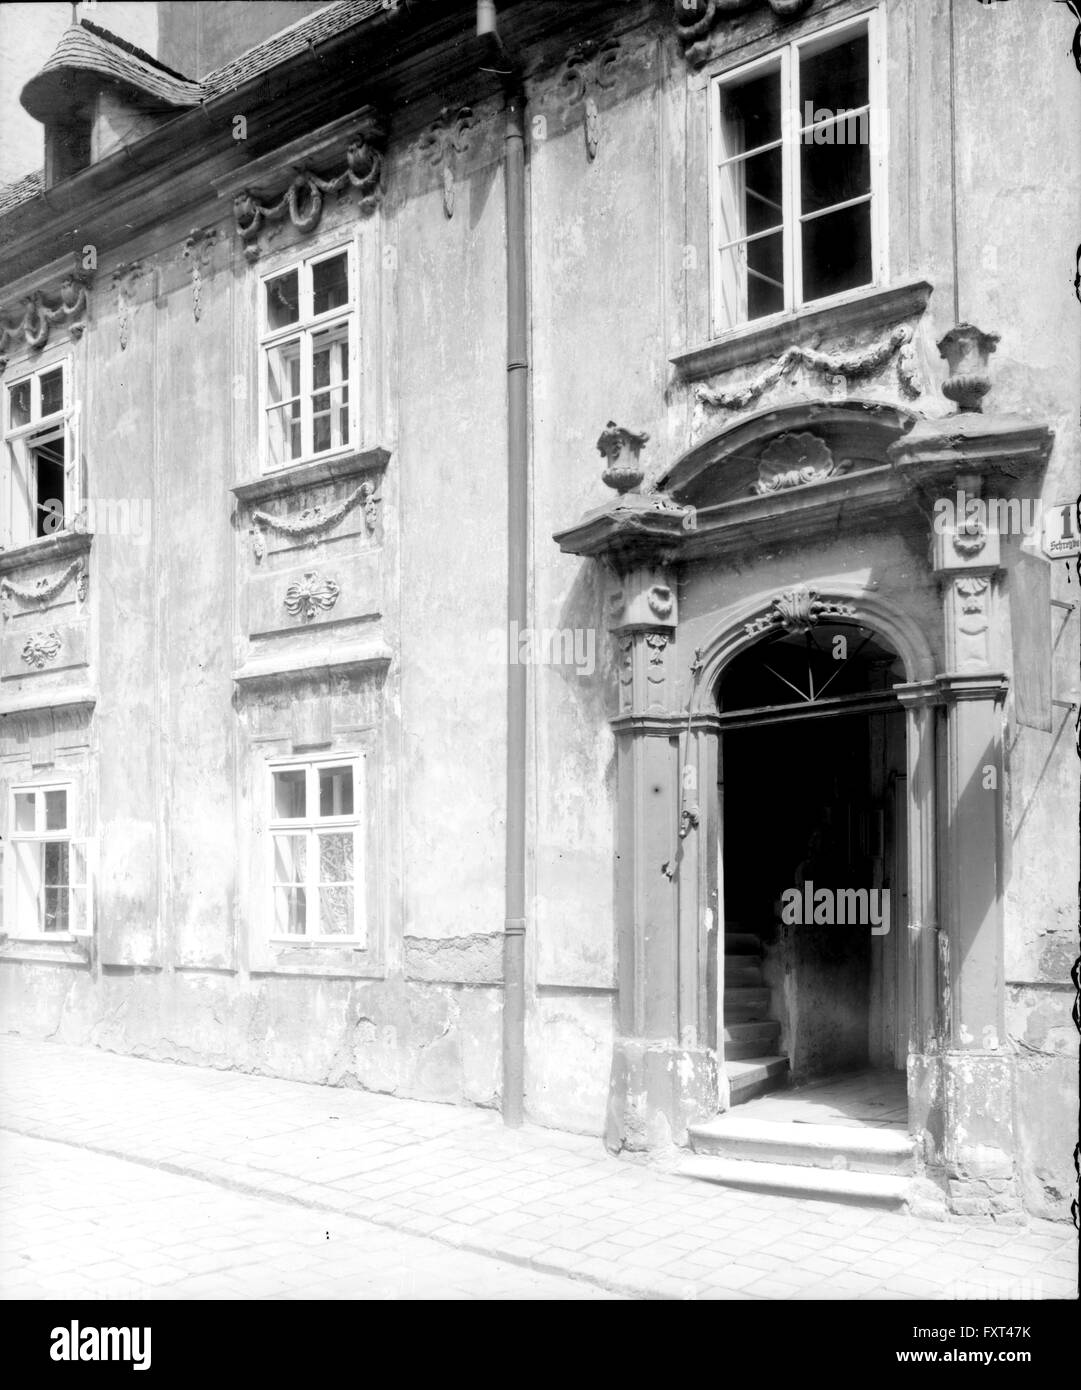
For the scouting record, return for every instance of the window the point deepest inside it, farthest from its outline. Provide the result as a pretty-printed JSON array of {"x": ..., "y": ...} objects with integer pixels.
[
  {"x": 309, "y": 348},
  {"x": 316, "y": 851},
  {"x": 40, "y": 486},
  {"x": 798, "y": 175},
  {"x": 45, "y": 867}
]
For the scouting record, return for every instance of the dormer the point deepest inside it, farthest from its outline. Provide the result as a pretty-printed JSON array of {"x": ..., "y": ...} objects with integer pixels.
[{"x": 97, "y": 93}]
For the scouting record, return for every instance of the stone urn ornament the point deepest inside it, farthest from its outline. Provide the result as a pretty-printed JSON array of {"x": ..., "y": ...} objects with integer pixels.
[
  {"x": 620, "y": 449},
  {"x": 966, "y": 350}
]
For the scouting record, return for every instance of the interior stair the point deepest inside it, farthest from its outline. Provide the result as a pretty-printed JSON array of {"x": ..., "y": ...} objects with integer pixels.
[{"x": 751, "y": 1038}]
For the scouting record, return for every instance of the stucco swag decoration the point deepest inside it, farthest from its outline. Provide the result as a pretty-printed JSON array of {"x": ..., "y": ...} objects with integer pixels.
[
  {"x": 695, "y": 19},
  {"x": 312, "y": 594},
  {"x": 38, "y": 317},
  {"x": 445, "y": 139},
  {"x": 589, "y": 63},
  {"x": 303, "y": 200},
  {"x": 850, "y": 365},
  {"x": 45, "y": 588},
  {"x": 313, "y": 521},
  {"x": 799, "y": 610}
]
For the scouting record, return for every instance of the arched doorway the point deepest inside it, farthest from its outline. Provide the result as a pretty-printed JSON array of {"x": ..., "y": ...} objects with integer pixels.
[{"x": 812, "y": 797}]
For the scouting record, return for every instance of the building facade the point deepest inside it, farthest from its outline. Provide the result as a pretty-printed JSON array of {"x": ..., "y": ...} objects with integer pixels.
[{"x": 536, "y": 563}]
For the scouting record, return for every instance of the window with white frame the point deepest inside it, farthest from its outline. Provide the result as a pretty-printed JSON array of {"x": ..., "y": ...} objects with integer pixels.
[
  {"x": 309, "y": 358},
  {"x": 40, "y": 483},
  {"x": 798, "y": 185},
  {"x": 46, "y": 868},
  {"x": 316, "y": 850}
]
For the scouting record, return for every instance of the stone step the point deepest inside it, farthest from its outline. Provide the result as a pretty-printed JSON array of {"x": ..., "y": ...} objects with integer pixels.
[
  {"x": 754, "y": 1039},
  {"x": 754, "y": 1076},
  {"x": 741, "y": 943},
  {"x": 746, "y": 1002},
  {"x": 740, "y": 971},
  {"x": 841, "y": 1148},
  {"x": 825, "y": 1184}
]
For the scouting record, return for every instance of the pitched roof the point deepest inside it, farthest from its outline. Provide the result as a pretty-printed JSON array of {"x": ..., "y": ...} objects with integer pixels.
[
  {"x": 21, "y": 191},
  {"x": 287, "y": 43},
  {"x": 84, "y": 48}
]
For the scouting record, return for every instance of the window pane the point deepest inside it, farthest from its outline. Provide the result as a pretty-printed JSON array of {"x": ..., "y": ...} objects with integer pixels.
[
  {"x": 56, "y": 886},
  {"x": 335, "y": 791},
  {"x": 330, "y": 407},
  {"x": 19, "y": 403},
  {"x": 833, "y": 79},
  {"x": 24, "y": 810},
  {"x": 750, "y": 112},
  {"x": 52, "y": 391},
  {"x": 832, "y": 170},
  {"x": 336, "y": 911},
  {"x": 290, "y": 858},
  {"x": 283, "y": 372},
  {"x": 282, "y": 300},
  {"x": 78, "y": 919},
  {"x": 47, "y": 464},
  {"x": 290, "y": 911},
  {"x": 336, "y": 858},
  {"x": 56, "y": 810},
  {"x": 283, "y": 434},
  {"x": 751, "y": 280},
  {"x": 837, "y": 252},
  {"x": 290, "y": 793},
  {"x": 28, "y": 865},
  {"x": 330, "y": 284}
]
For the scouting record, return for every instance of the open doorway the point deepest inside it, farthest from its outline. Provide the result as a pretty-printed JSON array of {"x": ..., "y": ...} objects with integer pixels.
[{"x": 813, "y": 863}]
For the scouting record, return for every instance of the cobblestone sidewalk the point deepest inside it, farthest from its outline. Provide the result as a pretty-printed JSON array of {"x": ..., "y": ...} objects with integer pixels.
[{"x": 551, "y": 1203}]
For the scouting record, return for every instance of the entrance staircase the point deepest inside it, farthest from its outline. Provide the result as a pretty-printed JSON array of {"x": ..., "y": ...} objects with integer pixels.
[
  {"x": 776, "y": 1143},
  {"x": 751, "y": 1038}
]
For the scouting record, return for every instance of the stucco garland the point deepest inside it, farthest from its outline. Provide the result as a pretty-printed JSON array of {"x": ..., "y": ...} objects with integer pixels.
[
  {"x": 44, "y": 589},
  {"x": 303, "y": 199},
  {"x": 313, "y": 520},
  {"x": 38, "y": 318},
  {"x": 854, "y": 364}
]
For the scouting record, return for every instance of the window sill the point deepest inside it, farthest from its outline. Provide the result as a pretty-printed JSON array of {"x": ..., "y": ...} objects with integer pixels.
[
  {"x": 45, "y": 548},
  {"x": 864, "y": 308},
  {"x": 302, "y": 475}
]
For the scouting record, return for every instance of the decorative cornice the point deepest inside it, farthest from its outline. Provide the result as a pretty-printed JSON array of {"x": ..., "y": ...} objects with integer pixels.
[
  {"x": 849, "y": 365},
  {"x": 41, "y": 647},
  {"x": 635, "y": 529},
  {"x": 695, "y": 19},
  {"x": 300, "y": 477},
  {"x": 445, "y": 139},
  {"x": 44, "y": 588},
  {"x": 38, "y": 317},
  {"x": 310, "y": 595},
  {"x": 799, "y": 610}
]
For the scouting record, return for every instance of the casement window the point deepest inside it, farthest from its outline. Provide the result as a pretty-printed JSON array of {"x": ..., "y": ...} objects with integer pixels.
[
  {"x": 309, "y": 359},
  {"x": 316, "y": 851},
  {"x": 40, "y": 483},
  {"x": 46, "y": 866},
  {"x": 798, "y": 174}
]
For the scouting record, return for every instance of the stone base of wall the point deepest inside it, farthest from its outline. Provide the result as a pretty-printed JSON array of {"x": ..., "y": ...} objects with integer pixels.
[{"x": 999, "y": 1198}]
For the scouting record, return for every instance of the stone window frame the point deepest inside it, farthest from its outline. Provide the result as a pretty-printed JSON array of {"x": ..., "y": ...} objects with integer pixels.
[
  {"x": 22, "y": 931},
  {"x": 302, "y": 260},
  {"x": 67, "y": 420},
  {"x": 310, "y": 826},
  {"x": 872, "y": 20}
]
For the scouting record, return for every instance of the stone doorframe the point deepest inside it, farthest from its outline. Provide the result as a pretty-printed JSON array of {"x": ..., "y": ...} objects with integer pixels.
[{"x": 665, "y": 1072}]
